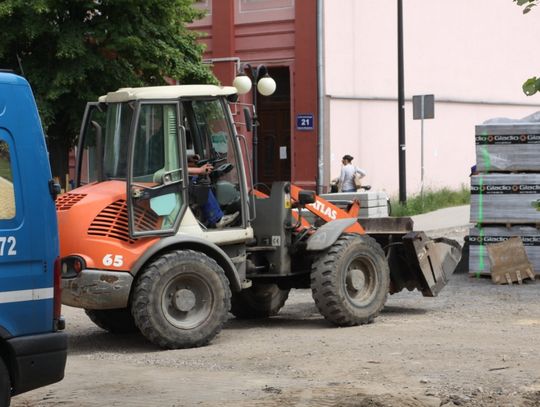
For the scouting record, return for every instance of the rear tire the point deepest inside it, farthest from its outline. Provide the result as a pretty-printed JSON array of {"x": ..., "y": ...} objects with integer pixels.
[
  {"x": 181, "y": 300},
  {"x": 5, "y": 385},
  {"x": 259, "y": 301},
  {"x": 116, "y": 321},
  {"x": 350, "y": 281}
]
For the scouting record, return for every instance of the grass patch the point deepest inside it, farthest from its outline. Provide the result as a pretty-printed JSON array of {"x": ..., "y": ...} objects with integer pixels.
[{"x": 431, "y": 201}]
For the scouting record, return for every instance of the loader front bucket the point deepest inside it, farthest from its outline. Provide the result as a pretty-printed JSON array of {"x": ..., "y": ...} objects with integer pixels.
[
  {"x": 416, "y": 261},
  {"x": 430, "y": 263}
]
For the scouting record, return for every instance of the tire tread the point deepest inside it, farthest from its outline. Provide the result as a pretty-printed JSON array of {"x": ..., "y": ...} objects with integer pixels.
[
  {"x": 325, "y": 285},
  {"x": 141, "y": 304}
]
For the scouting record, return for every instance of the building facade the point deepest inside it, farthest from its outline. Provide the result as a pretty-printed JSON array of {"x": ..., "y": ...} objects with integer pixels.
[
  {"x": 335, "y": 64},
  {"x": 268, "y": 33}
]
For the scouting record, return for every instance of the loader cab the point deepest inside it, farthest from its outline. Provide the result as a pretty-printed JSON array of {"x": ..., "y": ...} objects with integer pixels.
[{"x": 153, "y": 138}]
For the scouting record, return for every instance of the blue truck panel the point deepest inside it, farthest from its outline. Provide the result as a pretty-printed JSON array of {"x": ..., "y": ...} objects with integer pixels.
[{"x": 31, "y": 347}]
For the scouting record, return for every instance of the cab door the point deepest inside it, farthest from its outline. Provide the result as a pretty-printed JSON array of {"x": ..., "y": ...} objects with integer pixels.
[{"x": 157, "y": 170}]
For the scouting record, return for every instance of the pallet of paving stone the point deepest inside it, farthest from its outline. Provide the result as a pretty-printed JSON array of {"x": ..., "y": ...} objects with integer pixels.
[
  {"x": 373, "y": 204},
  {"x": 481, "y": 237},
  {"x": 367, "y": 199},
  {"x": 508, "y": 147},
  {"x": 505, "y": 199}
]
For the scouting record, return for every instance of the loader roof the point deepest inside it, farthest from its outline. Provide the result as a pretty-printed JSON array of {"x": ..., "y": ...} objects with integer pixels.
[{"x": 166, "y": 92}]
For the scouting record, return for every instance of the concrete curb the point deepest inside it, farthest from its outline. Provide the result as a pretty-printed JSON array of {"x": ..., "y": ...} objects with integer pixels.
[{"x": 442, "y": 219}]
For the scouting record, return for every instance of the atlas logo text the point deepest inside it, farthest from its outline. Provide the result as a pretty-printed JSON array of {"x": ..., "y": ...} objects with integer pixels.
[{"x": 328, "y": 212}]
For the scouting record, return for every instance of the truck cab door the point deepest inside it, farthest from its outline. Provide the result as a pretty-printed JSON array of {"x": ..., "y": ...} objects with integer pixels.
[
  {"x": 27, "y": 248},
  {"x": 157, "y": 170}
]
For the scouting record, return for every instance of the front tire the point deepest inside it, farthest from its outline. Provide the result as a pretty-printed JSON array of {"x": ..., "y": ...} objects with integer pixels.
[
  {"x": 181, "y": 300},
  {"x": 5, "y": 385},
  {"x": 350, "y": 281},
  {"x": 116, "y": 321},
  {"x": 259, "y": 301}
]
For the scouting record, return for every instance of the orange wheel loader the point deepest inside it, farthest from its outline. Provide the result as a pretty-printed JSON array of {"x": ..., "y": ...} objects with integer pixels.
[{"x": 142, "y": 250}]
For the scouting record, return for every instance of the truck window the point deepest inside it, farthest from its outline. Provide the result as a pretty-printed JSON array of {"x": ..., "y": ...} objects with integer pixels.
[{"x": 7, "y": 194}]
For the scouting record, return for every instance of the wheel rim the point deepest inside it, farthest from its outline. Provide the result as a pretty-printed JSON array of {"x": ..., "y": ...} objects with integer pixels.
[
  {"x": 187, "y": 301},
  {"x": 360, "y": 281}
]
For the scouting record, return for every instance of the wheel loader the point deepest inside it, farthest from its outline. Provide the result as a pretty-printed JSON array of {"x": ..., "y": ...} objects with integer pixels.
[{"x": 139, "y": 253}]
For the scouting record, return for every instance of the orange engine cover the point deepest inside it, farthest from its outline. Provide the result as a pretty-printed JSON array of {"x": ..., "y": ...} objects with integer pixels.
[{"x": 93, "y": 224}]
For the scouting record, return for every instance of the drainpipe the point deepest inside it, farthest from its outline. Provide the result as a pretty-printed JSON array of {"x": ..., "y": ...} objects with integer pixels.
[
  {"x": 320, "y": 98},
  {"x": 236, "y": 60}
]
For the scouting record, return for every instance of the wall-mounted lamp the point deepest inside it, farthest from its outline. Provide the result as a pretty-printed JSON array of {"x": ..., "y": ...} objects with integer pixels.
[
  {"x": 266, "y": 86},
  {"x": 242, "y": 83}
]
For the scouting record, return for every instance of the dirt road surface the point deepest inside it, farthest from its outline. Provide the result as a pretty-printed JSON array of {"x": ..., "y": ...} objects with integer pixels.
[{"x": 477, "y": 344}]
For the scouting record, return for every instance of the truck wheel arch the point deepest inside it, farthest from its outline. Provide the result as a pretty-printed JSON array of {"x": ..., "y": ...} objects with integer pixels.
[{"x": 196, "y": 244}]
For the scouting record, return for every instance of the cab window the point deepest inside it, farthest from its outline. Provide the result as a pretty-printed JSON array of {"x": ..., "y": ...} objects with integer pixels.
[
  {"x": 89, "y": 154},
  {"x": 7, "y": 193}
]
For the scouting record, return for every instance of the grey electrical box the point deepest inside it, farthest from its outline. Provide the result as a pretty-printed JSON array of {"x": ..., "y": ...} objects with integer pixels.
[{"x": 425, "y": 110}]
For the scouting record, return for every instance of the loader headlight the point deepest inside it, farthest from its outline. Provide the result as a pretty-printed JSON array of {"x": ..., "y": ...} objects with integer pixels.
[{"x": 71, "y": 266}]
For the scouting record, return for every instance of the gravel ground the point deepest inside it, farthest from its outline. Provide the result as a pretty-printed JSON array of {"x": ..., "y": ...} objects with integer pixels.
[{"x": 474, "y": 345}]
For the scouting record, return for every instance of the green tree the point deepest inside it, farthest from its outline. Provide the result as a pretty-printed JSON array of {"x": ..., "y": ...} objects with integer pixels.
[
  {"x": 72, "y": 51},
  {"x": 531, "y": 85}
]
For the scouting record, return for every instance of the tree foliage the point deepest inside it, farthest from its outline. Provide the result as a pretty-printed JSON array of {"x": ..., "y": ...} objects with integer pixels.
[
  {"x": 531, "y": 85},
  {"x": 72, "y": 51}
]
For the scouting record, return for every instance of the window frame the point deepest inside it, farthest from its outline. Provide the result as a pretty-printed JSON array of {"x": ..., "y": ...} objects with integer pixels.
[{"x": 15, "y": 220}]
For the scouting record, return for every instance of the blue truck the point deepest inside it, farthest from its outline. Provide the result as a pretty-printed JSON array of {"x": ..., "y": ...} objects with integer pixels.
[{"x": 33, "y": 346}]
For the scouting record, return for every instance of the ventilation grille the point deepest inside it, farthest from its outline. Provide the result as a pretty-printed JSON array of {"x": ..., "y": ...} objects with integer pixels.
[
  {"x": 112, "y": 222},
  {"x": 66, "y": 201}
]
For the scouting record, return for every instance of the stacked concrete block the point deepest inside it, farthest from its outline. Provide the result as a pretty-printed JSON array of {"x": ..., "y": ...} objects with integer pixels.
[
  {"x": 505, "y": 198},
  {"x": 505, "y": 192},
  {"x": 373, "y": 204},
  {"x": 508, "y": 147}
]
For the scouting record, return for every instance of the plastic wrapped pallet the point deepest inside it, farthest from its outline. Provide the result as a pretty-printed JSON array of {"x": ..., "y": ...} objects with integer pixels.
[
  {"x": 479, "y": 238},
  {"x": 505, "y": 198},
  {"x": 508, "y": 147},
  {"x": 373, "y": 204}
]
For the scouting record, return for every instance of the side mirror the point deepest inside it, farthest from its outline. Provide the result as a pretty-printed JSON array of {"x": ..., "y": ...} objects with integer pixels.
[
  {"x": 54, "y": 189},
  {"x": 249, "y": 120},
  {"x": 306, "y": 197}
]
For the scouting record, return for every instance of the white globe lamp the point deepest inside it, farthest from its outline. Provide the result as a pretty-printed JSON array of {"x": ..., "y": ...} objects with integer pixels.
[
  {"x": 242, "y": 83},
  {"x": 266, "y": 85}
]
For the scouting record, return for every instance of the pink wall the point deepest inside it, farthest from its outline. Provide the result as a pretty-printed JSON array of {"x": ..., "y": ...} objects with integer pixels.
[
  {"x": 473, "y": 55},
  {"x": 363, "y": 130}
]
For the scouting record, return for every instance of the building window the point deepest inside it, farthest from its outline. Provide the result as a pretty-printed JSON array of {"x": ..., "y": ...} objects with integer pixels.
[
  {"x": 265, "y": 5},
  {"x": 7, "y": 194}
]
